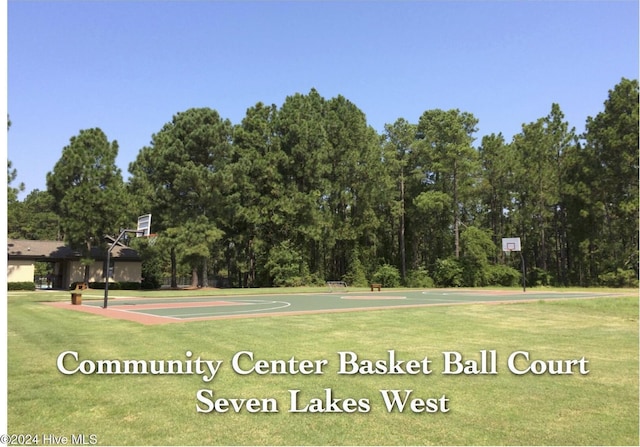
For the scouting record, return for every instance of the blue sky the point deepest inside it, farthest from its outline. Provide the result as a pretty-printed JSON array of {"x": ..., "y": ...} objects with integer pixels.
[{"x": 128, "y": 67}]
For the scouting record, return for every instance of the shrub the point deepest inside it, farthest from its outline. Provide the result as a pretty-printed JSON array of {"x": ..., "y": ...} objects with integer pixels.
[
  {"x": 448, "y": 273},
  {"x": 619, "y": 278},
  {"x": 150, "y": 283},
  {"x": 151, "y": 274},
  {"x": 503, "y": 275},
  {"x": 539, "y": 277},
  {"x": 117, "y": 285},
  {"x": 286, "y": 266},
  {"x": 477, "y": 247},
  {"x": 24, "y": 285},
  {"x": 387, "y": 275},
  {"x": 419, "y": 278},
  {"x": 356, "y": 275}
]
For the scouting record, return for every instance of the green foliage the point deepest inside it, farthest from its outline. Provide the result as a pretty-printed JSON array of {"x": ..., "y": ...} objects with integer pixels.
[
  {"x": 116, "y": 285},
  {"x": 182, "y": 180},
  {"x": 152, "y": 272},
  {"x": 34, "y": 218},
  {"x": 387, "y": 275},
  {"x": 194, "y": 240},
  {"x": 432, "y": 202},
  {"x": 538, "y": 277},
  {"x": 150, "y": 281},
  {"x": 286, "y": 266},
  {"x": 25, "y": 285},
  {"x": 448, "y": 166},
  {"x": 314, "y": 175},
  {"x": 12, "y": 193},
  {"x": 477, "y": 248},
  {"x": 88, "y": 190},
  {"x": 356, "y": 275},
  {"x": 497, "y": 183},
  {"x": 619, "y": 278},
  {"x": 609, "y": 202},
  {"x": 503, "y": 275},
  {"x": 398, "y": 141},
  {"x": 543, "y": 151},
  {"x": 448, "y": 273},
  {"x": 419, "y": 278}
]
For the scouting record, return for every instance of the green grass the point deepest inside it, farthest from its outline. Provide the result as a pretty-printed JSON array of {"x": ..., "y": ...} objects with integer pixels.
[{"x": 599, "y": 408}]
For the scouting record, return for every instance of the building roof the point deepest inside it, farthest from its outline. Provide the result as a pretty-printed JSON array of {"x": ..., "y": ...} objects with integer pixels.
[{"x": 42, "y": 250}]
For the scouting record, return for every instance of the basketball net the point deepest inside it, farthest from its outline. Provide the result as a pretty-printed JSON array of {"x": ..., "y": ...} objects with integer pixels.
[{"x": 152, "y": 239}]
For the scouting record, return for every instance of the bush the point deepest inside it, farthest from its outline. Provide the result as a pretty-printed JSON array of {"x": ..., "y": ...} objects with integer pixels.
[
  {"x": 150, "y": 283},
  {"x": 475, "y": 274},
  {"x": 477, "y": 248},
  {"x": 420, "y": 279},
  {"x": 100, "y": 285},
  {"x": 355, "y": 276},
  {"x": 151, "y": 274},
  {"x": 387, "y": 275},
  {"x": 117, "y": 285},
  {"x": 619, "y": 278},
  {"x": 25, "y": 285},
  {"x": 448, "y": 273},
  {"x": 503, "y": 275},
  {"x": 538, "y": 277},
  {"x": 286, "y": 266}
]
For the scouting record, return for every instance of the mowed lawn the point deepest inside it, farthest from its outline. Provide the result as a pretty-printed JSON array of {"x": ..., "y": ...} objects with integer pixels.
[{"x": 597, "y": 408}]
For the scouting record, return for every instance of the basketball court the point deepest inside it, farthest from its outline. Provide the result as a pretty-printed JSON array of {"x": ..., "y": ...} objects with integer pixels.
[{"x": 186, "y": 309}]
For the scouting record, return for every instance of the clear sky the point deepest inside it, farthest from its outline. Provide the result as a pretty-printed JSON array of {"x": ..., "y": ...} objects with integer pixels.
[{"x": 128, "y": 67}]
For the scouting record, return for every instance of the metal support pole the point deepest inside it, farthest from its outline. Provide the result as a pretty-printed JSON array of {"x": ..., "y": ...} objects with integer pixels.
[
  {"x": 108, "y": 266},
  {"x": 524, "y": 280}
]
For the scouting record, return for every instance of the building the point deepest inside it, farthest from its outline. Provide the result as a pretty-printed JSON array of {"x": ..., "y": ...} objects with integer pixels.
[{"x": 64, "y": 264}]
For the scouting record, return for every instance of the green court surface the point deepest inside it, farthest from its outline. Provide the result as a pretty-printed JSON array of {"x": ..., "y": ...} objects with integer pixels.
[{"x": 162, "y": 310}]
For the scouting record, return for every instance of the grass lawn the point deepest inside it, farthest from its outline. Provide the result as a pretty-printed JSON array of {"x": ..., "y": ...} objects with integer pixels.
[{"x": 597, "y": 408}]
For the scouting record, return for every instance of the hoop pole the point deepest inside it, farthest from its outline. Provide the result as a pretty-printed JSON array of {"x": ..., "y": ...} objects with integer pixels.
[
  {"x": 108, "y": 266},
  {"x": 524, "y": 280}
]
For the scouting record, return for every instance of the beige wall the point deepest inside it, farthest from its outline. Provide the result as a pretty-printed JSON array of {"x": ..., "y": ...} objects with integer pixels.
[
  {"x": 24, "y": 271},
  {"x": 128, "y": 271},
  {"x": 20, "y": 271},
  {"x": 122, "y": 271},
  {"x": 75, "y": 272}
]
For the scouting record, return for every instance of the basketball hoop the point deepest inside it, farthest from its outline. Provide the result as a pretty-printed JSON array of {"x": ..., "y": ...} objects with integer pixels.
[
  {"x": 510, "y": 244},
  {"x": 152, "y": 239},
  {"x": 142, "y": 230}
]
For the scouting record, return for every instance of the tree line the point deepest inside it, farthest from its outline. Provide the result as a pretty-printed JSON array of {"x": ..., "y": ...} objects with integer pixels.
[{"x": 308, "y": 192}]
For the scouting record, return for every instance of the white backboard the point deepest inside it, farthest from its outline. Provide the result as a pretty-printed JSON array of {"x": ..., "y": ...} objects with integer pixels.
[
  {"x": 144, "y": 225},
  {"x": 511, "y": 244}
]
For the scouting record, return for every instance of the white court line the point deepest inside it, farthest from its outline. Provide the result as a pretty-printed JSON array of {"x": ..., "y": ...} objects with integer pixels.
[
  {"x": 140, "y": 313},
  {"x": 282, "y": 305}
]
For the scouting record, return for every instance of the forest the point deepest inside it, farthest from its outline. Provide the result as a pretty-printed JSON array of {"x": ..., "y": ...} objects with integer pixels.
[{"x": 308, "y": 192}]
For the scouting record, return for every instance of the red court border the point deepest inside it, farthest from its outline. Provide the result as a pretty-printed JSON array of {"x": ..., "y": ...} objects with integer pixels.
[{"x": 122, "y": 312}]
